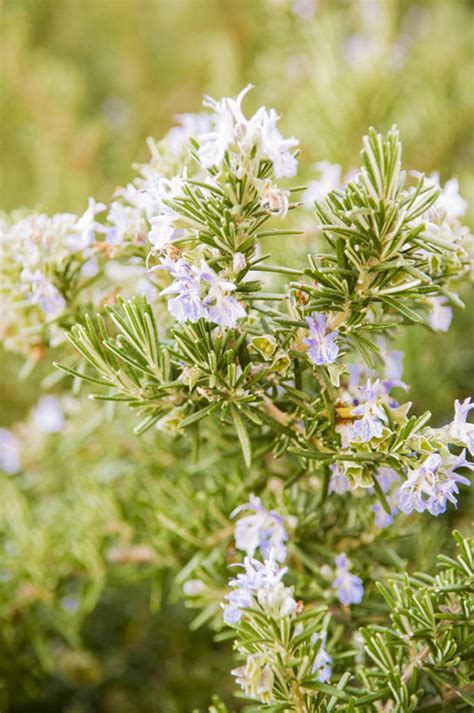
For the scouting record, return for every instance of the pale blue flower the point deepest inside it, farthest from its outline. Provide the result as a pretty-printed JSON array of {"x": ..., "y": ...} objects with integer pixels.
[
  {"x": 45, "y": 294},
  {"x": 9, "y": 451},
  {"x": 350, "y": 588},
  {"x": 441, "y": 314},
  {"x": 338, "y": 482},
  {"x": 262, "y": 530},
  {"x": 222, "y": 308},
  {"x": 187, "y": 305},
  {"x": 382, "y": 517},
  {"x": 433, "y": 484},
  {"x": 260, "y": 584},
  {"x": 373, "y": 416},
  {"x": 461, "y": 431},
  {"x": 322, "y": 662},
  {"x": 48, "y": 415},
  {"x": 200, "y": 294},
  {"x": 322, "y": 345},
  {"x": 87, "y": 226}
]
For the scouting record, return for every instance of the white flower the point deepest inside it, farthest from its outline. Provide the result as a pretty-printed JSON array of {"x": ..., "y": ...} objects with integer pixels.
[
  {"x": 239, "y": 262},
  {"x": 256, "y": 678},
  {"x": 329, "y": 180},
  {"x": 222, "y": 308},
  {"x": 87, "y": 226},
  {"x": 276, "y": 148},
  {"x": 162, "y": 231},
  {"x": 450, "y": 201},
  {"x": 460, "y": 431},
  {"x": 234, "y": 133},
  {"x": 43, "y": 293},
  {"x": 48, "y": 415},
  {"x": 441, "y": 314},
  {"x": 261, "y": 530},
  {"x": 125, "y": 221},
  {"x": 260, "y": 583},
  {"x": 275, "y": 200},
  {"x": 189, "y": 126},
  {"x": 9, "y": 451}
]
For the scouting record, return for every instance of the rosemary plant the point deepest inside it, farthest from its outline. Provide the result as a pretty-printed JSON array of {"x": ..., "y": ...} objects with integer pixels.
[{"x": 213, "y": 344}]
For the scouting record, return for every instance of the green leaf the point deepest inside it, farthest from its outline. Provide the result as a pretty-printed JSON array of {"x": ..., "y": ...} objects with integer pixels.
[{"x": 243, "y": 436}]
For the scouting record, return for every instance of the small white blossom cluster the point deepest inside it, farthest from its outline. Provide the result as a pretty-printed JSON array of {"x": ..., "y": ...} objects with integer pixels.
[
  {"x": 259, "y": 585},
  {"x": 226, "y": 141},
  {"x": 442, "y": 224},
  {"x": 246, "y": 140},
  {"x": 43, "y": 258},
  {"x": 200, "y": 293},
  {"x": 261, "y": 530}
]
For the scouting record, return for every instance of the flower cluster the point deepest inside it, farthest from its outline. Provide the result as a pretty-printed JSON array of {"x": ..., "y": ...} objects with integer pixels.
[
  {"x": 434, "y": 483},
  {"x": 349, "y": 587},
  {"x": 200, "y": 293},
  {"x": 240, "y": 138},
  {"x": 262, "y": 530},
  {"x": 47, "y": 261},
  {"x": 260, "y": 584}
]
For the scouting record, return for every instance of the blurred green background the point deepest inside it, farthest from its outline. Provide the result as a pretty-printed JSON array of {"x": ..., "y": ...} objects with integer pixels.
[{"x": 84, "y": 83}]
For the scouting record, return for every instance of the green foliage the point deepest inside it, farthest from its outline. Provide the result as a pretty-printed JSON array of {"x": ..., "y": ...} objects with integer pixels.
[{"x": 101, "y": 532}]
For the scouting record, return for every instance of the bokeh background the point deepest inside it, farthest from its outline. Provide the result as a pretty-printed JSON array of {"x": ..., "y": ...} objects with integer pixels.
[{"x": 84, "y": 83}]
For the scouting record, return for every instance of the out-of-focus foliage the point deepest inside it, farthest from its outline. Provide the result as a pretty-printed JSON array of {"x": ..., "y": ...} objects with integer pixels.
[{"x": 84, "y": 84}]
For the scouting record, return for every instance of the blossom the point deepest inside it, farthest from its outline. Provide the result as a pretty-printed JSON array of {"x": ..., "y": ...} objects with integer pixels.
[
  {"x": 433, "y": 484},
  {"x": 276, "y": 200},
  {"x": 461, "y": 431},
  {"x": 48, "y": 415},
  {"x": 338, "y": 482},
  {"x": 274, "y": 147},
  {"x": 87, "y": 226},
  {"x": 187, "y": 305},
  {"x": 382, "y": 517},
  {"x": 259, "y": 584},
  {"x": 227, "y": 113},
  {"x": 373, "y": 416},
  {"x": 239, "y": 262},
  {"x": 350, "y": 589},
  {"x": 441, "y": 314},
  {"x": 322, "y": 661},
  {"x": 193, "y": 587},
  {"x": 322, "y": 346},
  {"x": 393, "y": 366},
  {"x": 329, "y": 180},
  {"x": 222, "y": 308},
  {"x": 261, "y": 530},
  {"x": 200, "y": 293},
  {"x": 124, "y": 221},
  {"x": 162, "y": 231},
  {"x": 450, "y": 201},
  {"x": 9, "y": 451},
  {"x": 44, "y": 293},
  {"x": 189, "y": 126},
  {"x": 232, "y": 131},
  {"x": 256, "y": 677}
]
